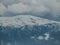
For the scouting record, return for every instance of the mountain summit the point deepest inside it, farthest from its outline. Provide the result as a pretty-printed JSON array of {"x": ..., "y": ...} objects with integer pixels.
[
  {"x": 22, "y": 20},
  {"x": 29, "y": 30}
]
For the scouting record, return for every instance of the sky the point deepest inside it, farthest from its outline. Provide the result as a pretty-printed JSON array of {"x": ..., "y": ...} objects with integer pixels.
[{"x": 30, "y": 7}]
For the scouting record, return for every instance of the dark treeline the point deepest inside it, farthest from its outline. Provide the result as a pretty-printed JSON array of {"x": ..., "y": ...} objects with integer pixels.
[{"x": 24, "y": 33}]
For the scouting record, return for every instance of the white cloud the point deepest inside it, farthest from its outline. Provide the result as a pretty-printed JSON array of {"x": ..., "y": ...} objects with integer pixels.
[
  {"x": 19, "y": 8},
  {"x": 9, "y": 2},
  {"x": 3, "y": 9},
  {"x": 54, "y": 6},
  {"x": 40, "y": 9},
  {"x": 32, "y": 6}
]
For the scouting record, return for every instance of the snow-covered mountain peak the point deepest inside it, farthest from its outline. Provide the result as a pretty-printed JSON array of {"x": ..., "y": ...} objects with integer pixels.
[
  {"x": 26, "y": 28},
  {"x": 22, "y": 20}
]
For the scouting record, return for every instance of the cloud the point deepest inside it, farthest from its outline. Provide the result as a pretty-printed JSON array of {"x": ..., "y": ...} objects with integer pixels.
[
  {"x": 3, "y": 9},
  {"x": 9, "y": 2},
  {"x": 19, "y": 8},
  {"x": 34, "y": 7},
  {"x": 54, "y": 6},
  {"x": 24, "y": 7}
]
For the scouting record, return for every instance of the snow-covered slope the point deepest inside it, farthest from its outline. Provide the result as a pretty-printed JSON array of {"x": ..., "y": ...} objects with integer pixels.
[
  {"x": 22, "y": 20},
  {"x": 27, "y": 28}
]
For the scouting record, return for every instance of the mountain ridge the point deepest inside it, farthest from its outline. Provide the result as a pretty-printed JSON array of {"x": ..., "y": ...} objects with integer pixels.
[
  {"x": 22, "y": 20},
  {"x": 26, "y": 28}
]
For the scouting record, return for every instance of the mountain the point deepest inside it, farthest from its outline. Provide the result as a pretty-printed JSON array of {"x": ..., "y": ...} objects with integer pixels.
[
  {"x": 27, "y": 28},
  {"x": 22, "y": 20}
]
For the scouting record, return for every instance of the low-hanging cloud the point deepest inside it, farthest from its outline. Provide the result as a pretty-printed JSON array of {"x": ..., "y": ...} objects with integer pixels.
[
  {"x": 26, "y": 6},
  {"x": 3, "y": 9},
  {"x": 38, "y": 7},
  {"x": 19, "y": 8}
]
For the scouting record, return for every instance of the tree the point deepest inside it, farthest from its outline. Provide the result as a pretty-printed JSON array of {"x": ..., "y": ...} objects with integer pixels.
[{"x": 0, "y": 33}]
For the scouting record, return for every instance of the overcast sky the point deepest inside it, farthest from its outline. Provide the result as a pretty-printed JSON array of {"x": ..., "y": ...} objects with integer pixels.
[{"x": 38, "y": 7}]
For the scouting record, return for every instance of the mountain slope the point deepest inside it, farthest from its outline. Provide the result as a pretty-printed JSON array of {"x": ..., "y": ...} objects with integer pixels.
[
  {"x": 24, "y": 20},
  {"x": 29, "y": 30}
]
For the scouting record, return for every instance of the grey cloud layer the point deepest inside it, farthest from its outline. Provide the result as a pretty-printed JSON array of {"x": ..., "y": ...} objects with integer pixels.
[{"x": 30, "y": 6}]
